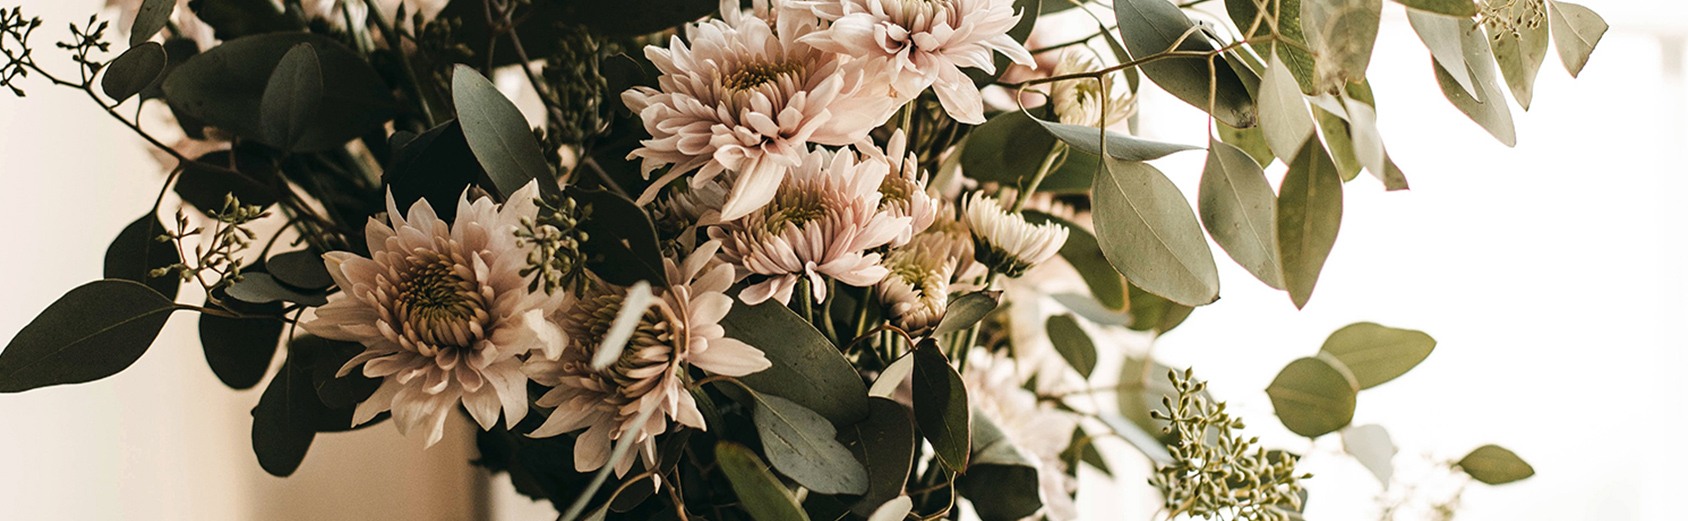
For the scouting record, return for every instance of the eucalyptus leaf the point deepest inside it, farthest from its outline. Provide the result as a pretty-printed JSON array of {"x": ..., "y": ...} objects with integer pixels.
[
  {"x": 303, "y": 269},
  {"x": 1002, "y": 482},
  {"x": 284, "y": 421},
  {"x": 1283, "y": 112},
  {"x": 897, "y": 509},
  {"x": 802, "y": 445},
  {"x": 1293, "y": 51},
  {"x": 262, "y": 288},
  {"x": 1150, "y": 27},
  {"x": 94, "y": 331},
  {"x": 335, "y": 391},
  {"x": 623, "y": 249},
  {"x": 1340, "y": 146},
  {"x": 1443, "y": 37},
  {"x": 1008, "y": 149},
  {"x": 1489, "y": 109},
  {"x": 1239, "y": 210},
  {"x": 1251, "y": 140},
  {"x": 497, "y": 132},
  {"x": 1376, "y": 354},
  {"x": 150, "y": 17},
  {"x": 807, "y": 368},
  {"x": 1495, "y": 465},
  {"x": 1521, "y": 52},
  {"x": 1085, "y": 256},
  {"x": 136, "y": 252},
  {"x": 1149, "y": 233},
  {"x": 1341, "y": 34},
  {"x": 1460, "y": 8},
  {"x": 292, "y": 97},
  {"x": 1576, "y": 30},
  {"x": 1313, "y": 397},
  {"x": 239, "y": 350},
  {"x": 438, "y": 166},
  {"x": 224, "y": 87},
  {"x": 884, "y": 443},
  {"x": 1309, "y": 217},
  {"x": 759, "y": 492},
  {"x": 1072, "y": 343},
  {"x": 1371, "y": 446},
  {"x": 941, "y": 406},
  {"x": 1367, "y": 142},
  {"x": 133, "y": 71},
  {"x": 1122, "y": 147},
  {"x": 1082, "y": 449},
  {"x": 1151, "y": 312},
  {"x": 967, "y": 310},
  {"x": 245, "y": 172}
]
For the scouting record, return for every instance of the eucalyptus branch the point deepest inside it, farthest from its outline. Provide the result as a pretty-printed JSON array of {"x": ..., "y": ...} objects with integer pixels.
[{"x": 395, "y": 43}]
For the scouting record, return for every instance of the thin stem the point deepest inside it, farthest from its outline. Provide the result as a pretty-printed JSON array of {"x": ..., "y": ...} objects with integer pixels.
[
  {"x": 396, "y": 43},
  {"x": 1049, "y": 160}
]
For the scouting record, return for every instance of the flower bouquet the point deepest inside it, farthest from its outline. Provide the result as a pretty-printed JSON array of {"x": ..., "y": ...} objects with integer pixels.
[{"x": 794, "y": 259}]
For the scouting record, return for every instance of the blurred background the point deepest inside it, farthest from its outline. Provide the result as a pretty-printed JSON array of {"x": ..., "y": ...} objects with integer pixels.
[{"x": 1552, "y": 275}]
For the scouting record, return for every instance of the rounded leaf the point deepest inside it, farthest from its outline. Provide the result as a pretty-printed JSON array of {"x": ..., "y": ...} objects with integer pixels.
[
  {"x": 1375, "y": 354},
  {"x": 1313, "y": 397},
  {"x": 759, "y": 492},
  {"x": 136, "y": 252},
  {"x": 803, "y": 446},
  {"x": 1495, "y": 465},
  {"x": 134, "y": 71},
  {"x": 940, "y": 406},
  {"x": 807, "y": 368},
  {"x": 1149, "y": 233},
  {"x": 967, "y": 310},
  {"x": 1072, "y": 343}
]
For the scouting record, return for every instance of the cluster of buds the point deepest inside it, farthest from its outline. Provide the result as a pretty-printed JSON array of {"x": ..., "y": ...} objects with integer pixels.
[
  {"x": 1511, "y": 17},
  {"x": 575, "y": 89},
  {"x": 555, "y": 260}
]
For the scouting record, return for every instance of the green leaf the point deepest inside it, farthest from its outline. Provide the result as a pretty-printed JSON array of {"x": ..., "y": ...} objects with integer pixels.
[
  {"x": 623, "y": 248},
  {"x": 1371, "y": 446},
  {"x": 262, "y": 288},
  {"x": 1576, "y": 30},
  {"x": 1460, "y": 8},
  {"x": 134, "y": 71},
  {"x": 1151, "y": 312},
  {"x": 1251, "y": 140},
  {"x": 239, "y": 350},
  {"x": 497, "y": 132},
  {"x": 152, "y": 16},
  {"x": 292, "y": 97},
  {"x": 1495, "y": 465},
  {"x": 1085, "y": 255},
  {"x": 807, "y": 368},
  {"x": 234, "y": 19},
  {"x": 284, "y": 421},
  {"x": 1283, "y": 112},
  {"x": 884, "y": 443},
  {"x": 224, "y": 87},
  {"x": 1149, "y": 27},
  {"x": 1007, "y": 149},
  {"x": 251, "y": 180},
  {"x": 1002, "y": 482},
  {"x": 1488, "y": 109},
  {"x": 966, "y": 310},
  {"x": 1313, "y": 397},
  {"x": 802, "y": 445},
  {"x": 1239, "y": 210},
  {"x": 941, "y": 407},
  {"x": 1082, "y": 449},
  {"x": 136, "y": 252},
  {"x": 1341, "y": 34},
  {"x": 1122, "y": 147},
  {"x": 1149, "y": 233},
  {"x": 336, "y": 392},
  {"x": 759, "y": 492},
  {"x": 633, "y": 17},
  {"x": 94, "y": 331},
  {"x": 1072, "y": 343},
  {"x": 303, "y": 269},
  {"x": 1520, "y": 54},
  {"x": 1341, "y": 147},
  {"x": 1443, "y": 37},
  {"x": 436, "y": 165},
  {"x": 1309, "y": 217},
  {"x": 1376, "y": 354}
]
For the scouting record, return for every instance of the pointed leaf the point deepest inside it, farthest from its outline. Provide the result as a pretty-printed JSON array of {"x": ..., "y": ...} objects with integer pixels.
[
  {"x": 1495, "y": 465},
  {"x": 1520, "y": 53},
  {"x": 803, "y": 445},
  {"x": 884, "y": 443},
  {"x": 807, "y": 368},
  {"x": 1341, "y": 34},
  {"x": 941, "y": 407},
  {"x": 1340, "y": 145},
  {"x": 239, "y": 350},
  {"x": 1309, "y": 216},
  {"x": 1375, "y": 353},
  {"x": 1002, "y": 482},
  {"x": 1149, "y": 27},
  {"x": 1283, "y": 112},
  {"x": 1460, "y": 8},
  {"x": 1576, "y": 30},
  {"x": 1489, "y": 108},
  {"x": 1072, "y": 343},
  {"x": 1442, "y": 36},
  {"x": 133, "y": 71},
  {"x": 1313, "y": 397},
  {"x": 1251, "y": 140},
  {"x": 1085, "y": 255},
  {"x": 1293, "y": 53},
  {"x": 94, "y": 331},
  {"x": 292, "y": 98},
  {"x": 1151, "y": 312},
  {"x": 1149, "y": 233},
  {"x": 497, "y": 132},
  {"x": 759, "y": 492},
  {"x": 1239, "y": 210},
  {"x": 136, "y": 252},
  {"x": 1120, "y": 146},
  {"x": 285, "y": 420},
  {"x": 967, "y": 310}
]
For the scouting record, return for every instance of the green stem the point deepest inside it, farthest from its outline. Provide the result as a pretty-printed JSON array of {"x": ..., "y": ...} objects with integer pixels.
[
  {"x": 826, "y": 311},
  {"x": 397, "y": 45},
  {"x": 859, "y": 325},
  {"x": 1049, "y": 161}
]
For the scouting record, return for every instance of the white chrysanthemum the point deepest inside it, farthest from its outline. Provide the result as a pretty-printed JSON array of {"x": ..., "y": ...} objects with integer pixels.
[
  {"x": 1079, "y": 102},
  {"x": 1005, "y": 241},
  {"x": 681, "y": 329},
  {"x": 737, "y": 95},
  {"x": 917, "y": 290},
  {"x": 1041, "y": 433},
  {"x": 903, "y": 194},
  {"x": 443, "y": 311},
  {"x": 338, "y": 13},
  {"x": 924, "y": 43},
  {"x": 822, "y": 221}
]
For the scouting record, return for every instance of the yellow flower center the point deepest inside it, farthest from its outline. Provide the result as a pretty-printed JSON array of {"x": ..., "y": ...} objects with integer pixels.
[
  {"x": 438, "y": 305},
  {"x": 754, "y": 75}
]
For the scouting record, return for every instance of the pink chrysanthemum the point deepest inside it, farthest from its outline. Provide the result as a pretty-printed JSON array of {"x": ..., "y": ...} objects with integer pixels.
[
  {"x": 742, "y": 95},
  {"x": 822, "y": 222},
  {"x": 443, "y": 312},
  {"x": 680, "y": 329},
  {"x": 924, "y": 43}
]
